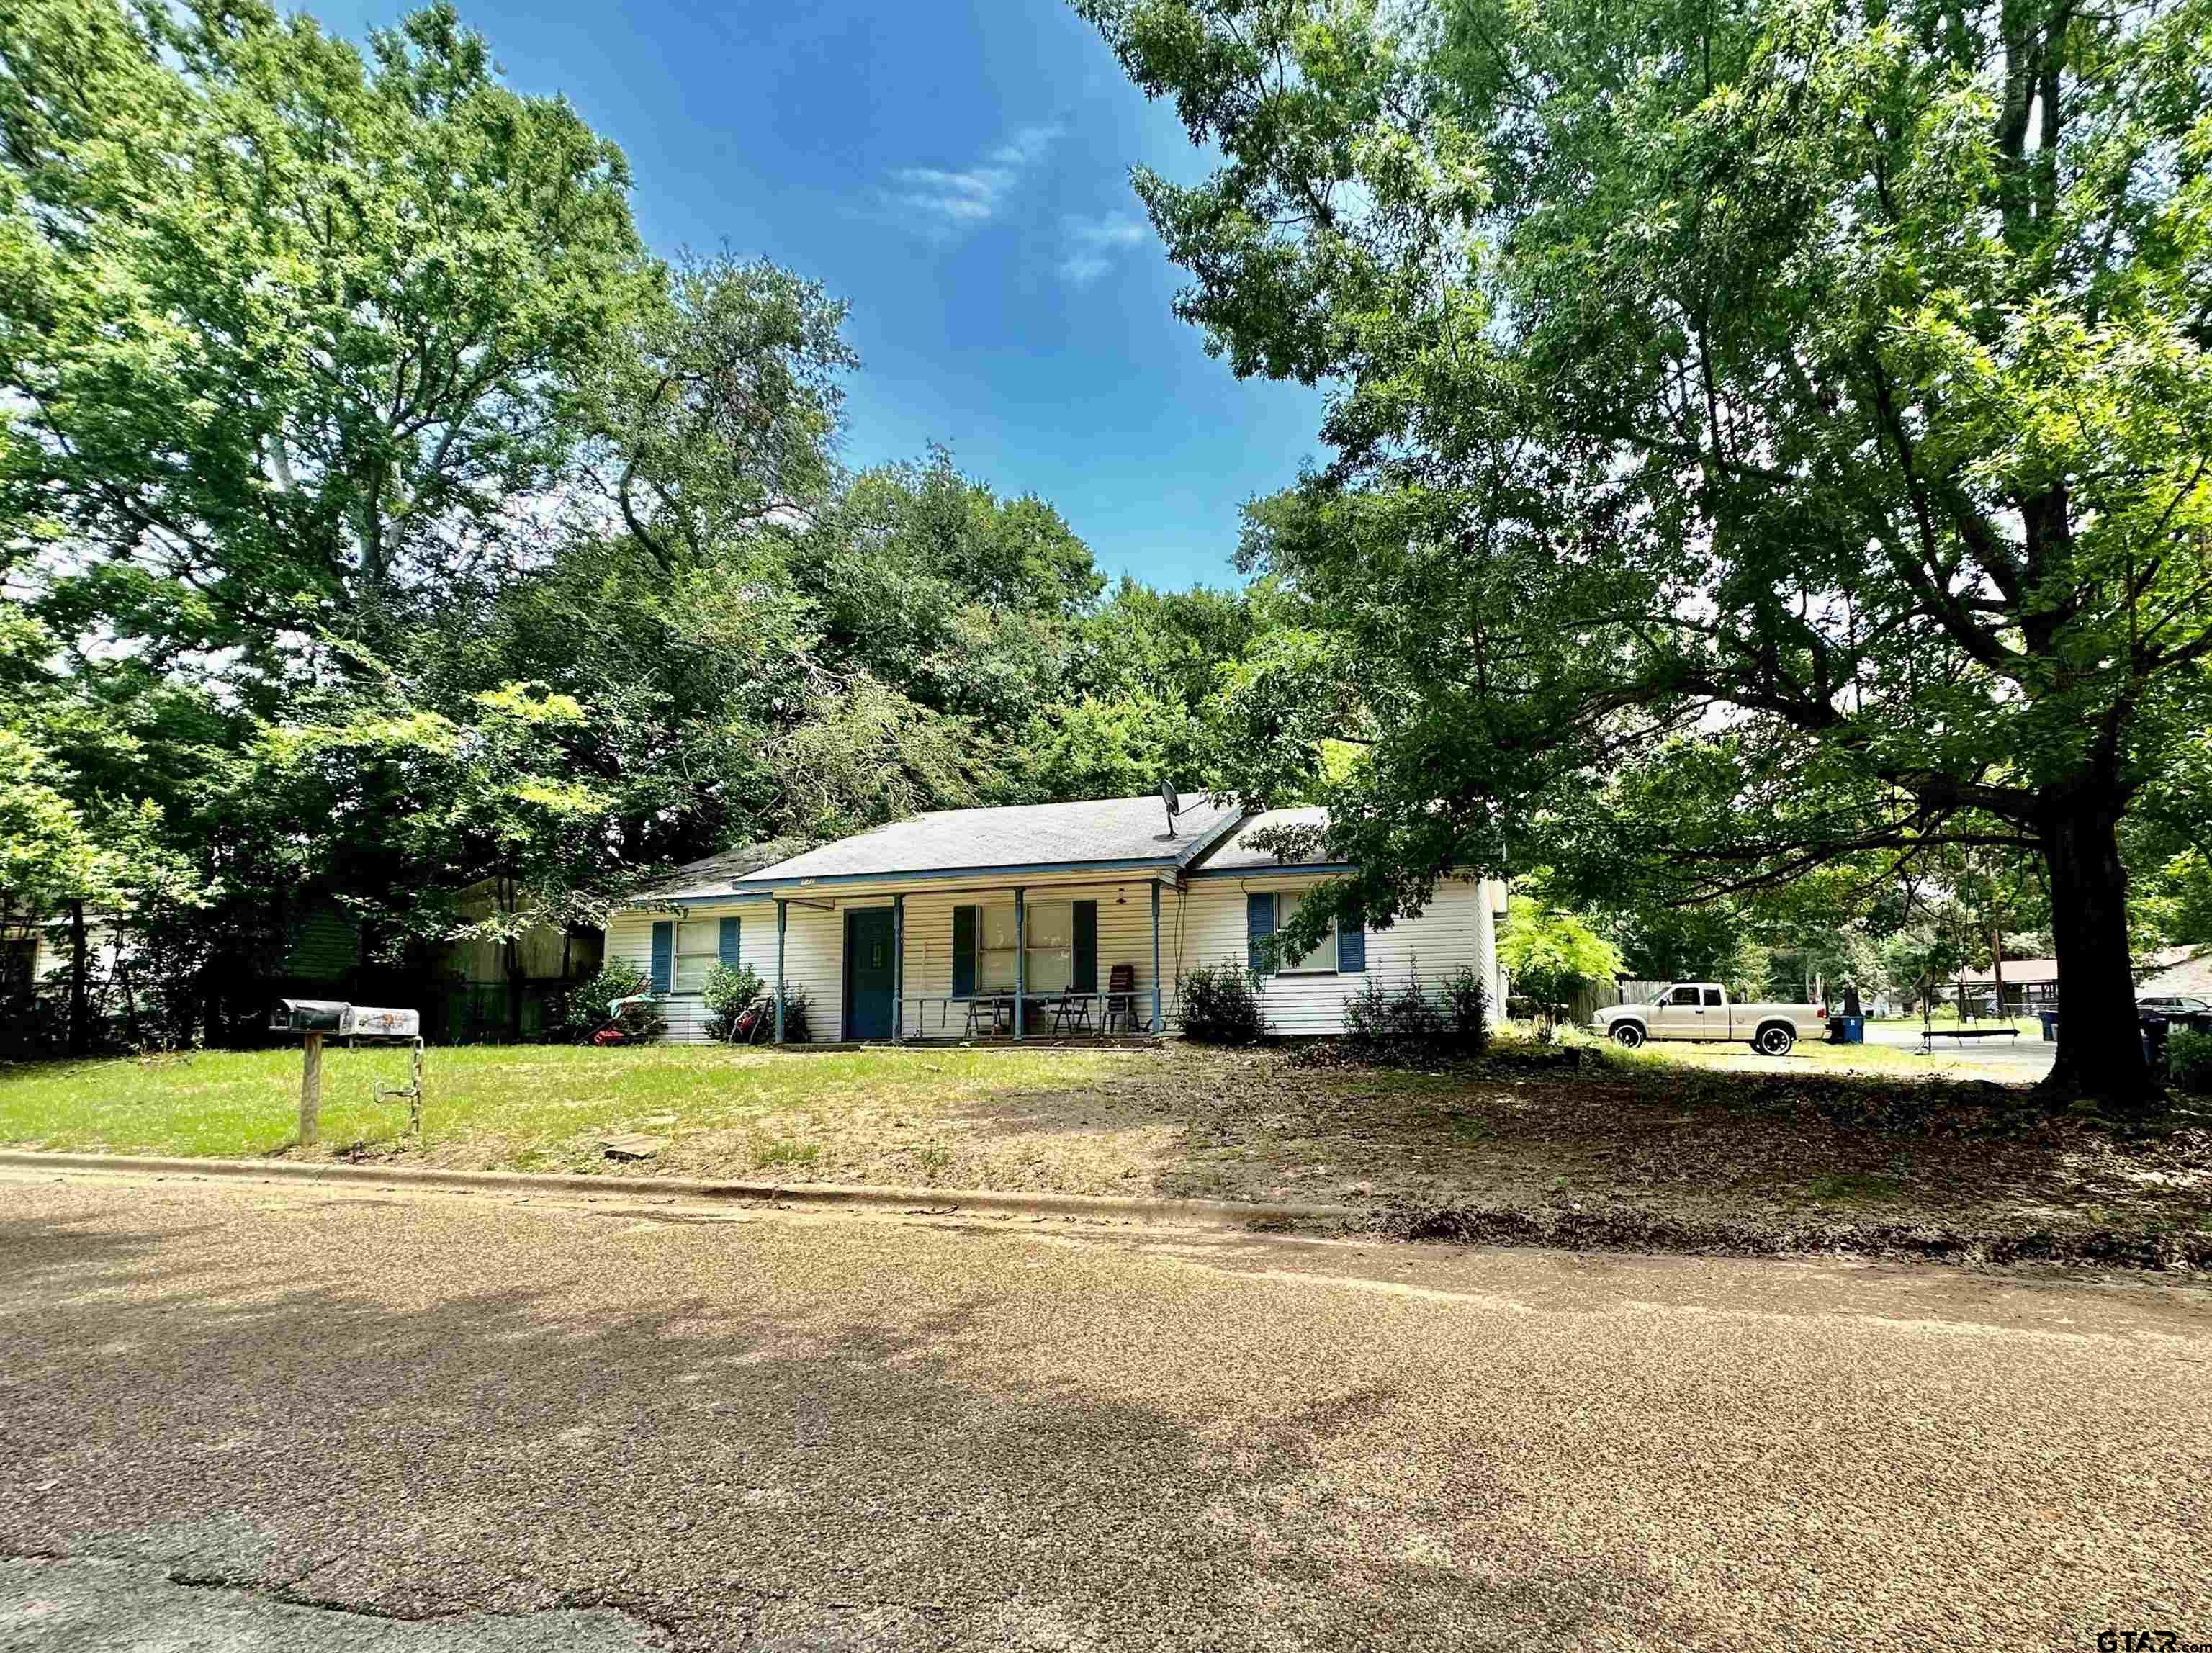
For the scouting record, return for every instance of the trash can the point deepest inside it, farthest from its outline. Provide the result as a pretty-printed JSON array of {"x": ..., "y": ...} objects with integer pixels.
[
  {"x": 1847, "y": 1029},
  {"x": 2050, "y": 1020}
]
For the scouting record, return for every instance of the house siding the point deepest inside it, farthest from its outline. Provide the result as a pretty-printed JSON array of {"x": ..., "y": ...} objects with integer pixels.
[
  {"x": 1202, "y": 925},
  {"x": 1455, "y": 929}
]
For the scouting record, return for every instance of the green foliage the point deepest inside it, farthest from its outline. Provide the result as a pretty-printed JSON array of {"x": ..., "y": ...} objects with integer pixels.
[
  {"x": 585, "y": 1011},
  {"x": 728, "y": 993},
  {"x": 1383, "y": 1017},
  {"x": 284, "y": 324},
  {"x": 1219, "y": 1005},
  {"x": 1467, "y": 1007},
  {"x": 1765, "y": 437},
  {"x": 798, "y": 1013},
  {"x": 2188, "y": 1060},
  {"x": 1551, "y": 954}
]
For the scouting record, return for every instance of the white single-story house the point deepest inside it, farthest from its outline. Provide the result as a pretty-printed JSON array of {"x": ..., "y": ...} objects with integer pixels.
[{"x": 1039, "y": 921}]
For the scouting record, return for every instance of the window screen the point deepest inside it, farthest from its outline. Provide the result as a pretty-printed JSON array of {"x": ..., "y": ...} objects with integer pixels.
[
  {"x": 698, "y": 948},
  {"x": 1323, "y": 957}
]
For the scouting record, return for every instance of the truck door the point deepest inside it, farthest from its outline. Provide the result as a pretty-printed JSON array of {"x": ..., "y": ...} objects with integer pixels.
[
  {"x": 1713, "y": 1015},
  {"x": 1675, "y": 1016}
]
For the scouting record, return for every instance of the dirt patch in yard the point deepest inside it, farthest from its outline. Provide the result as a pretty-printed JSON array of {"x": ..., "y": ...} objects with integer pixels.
[{"x": 1577, "y": 1147}]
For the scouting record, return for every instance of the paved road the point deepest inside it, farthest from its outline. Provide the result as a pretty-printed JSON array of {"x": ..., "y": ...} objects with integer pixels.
[{"x": 635, "y": 1424}]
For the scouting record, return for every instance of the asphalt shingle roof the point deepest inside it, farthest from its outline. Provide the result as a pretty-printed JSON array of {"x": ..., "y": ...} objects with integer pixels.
[
  {"x": 718, "y": 874},
  {"x": 1239, "y": 854},
  {"x": 1028, "y": 835}
]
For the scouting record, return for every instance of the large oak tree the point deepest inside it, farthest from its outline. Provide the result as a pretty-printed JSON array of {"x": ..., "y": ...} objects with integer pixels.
[{"x": 1772, "y": 434}]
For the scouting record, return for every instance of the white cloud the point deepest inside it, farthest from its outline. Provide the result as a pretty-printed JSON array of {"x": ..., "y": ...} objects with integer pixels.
[
  {"x": 952, "y": 202},
  {"x": 1091, "y": 242}
]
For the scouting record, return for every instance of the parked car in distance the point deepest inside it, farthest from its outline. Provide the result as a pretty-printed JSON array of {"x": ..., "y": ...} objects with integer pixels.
[
  {"x": 2173, "y": 1004},
  {"x": 1703, "y": 1010}
]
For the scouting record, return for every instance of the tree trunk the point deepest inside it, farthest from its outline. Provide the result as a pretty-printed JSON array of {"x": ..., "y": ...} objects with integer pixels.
[
  {"x": 2100, "y": 1051},
  {"x": 80, "y": 1018}
]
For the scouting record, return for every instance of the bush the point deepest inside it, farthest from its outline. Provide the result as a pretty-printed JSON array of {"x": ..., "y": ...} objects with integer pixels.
[
  {"x": 584, "y": 1012},
  {"x": 2189, "y": 1060},
  {"x": 1367, "y": 1013},
  {"x": 729, "y": 988},
  {"x": 797, "y": 1005},
  {"x": 1217, "y": 1004},
  {"x": 1376, "y": 1015},
  {"x": 1466, "y": 1006}
]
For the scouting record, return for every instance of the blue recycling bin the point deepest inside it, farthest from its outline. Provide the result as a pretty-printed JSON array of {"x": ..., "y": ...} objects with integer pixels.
[
  {"x": 1847, "y": 1029},
  {"x": 2050, "y": 1020}
]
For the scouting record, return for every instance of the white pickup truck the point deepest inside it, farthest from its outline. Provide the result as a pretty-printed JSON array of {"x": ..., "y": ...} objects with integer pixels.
[{"x": 1702, "y": 1010}]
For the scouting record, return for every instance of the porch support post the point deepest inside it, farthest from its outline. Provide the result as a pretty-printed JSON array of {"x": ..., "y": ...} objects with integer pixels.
[
  {"x": 1157, "y": 1023},
  {"x": 1021, "y": 957},
  {"x": 782, "y": 917},
  {"x": 898, "y": 968}
]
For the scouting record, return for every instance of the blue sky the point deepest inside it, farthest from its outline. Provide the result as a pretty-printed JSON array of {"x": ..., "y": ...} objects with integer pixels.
[{"x": 959, "y": 172}]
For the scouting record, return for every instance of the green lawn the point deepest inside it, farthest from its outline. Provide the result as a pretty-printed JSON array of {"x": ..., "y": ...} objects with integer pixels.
[{"x": 528, "y": 1107}]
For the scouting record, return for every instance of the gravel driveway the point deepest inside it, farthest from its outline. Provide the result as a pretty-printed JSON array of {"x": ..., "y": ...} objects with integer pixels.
[{"x": 647, "y": 1424}]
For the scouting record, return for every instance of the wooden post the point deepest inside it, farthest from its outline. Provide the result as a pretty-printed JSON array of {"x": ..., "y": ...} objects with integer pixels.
[
  {"x": 311, "y": 1092},
  {"x": 779, "y": 922},
  {"x": 414, "y": 1097},
  {"x": 1156, "y": 1025},
  {"x": 1021, "y": 957},
  {"x": 898, "y": 968}
]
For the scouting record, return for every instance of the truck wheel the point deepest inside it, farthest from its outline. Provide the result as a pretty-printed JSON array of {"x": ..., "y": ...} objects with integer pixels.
[
  {"x": 1775, "y": 1039},
  {"x": 1627, "y": 1034}
]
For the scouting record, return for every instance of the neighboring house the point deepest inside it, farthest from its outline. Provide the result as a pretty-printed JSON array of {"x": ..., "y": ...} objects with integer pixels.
[
  {"x": 2183, "y": 972},
  {"x": 2030, "y": 985},
  {"x": 935, "y": 926}
]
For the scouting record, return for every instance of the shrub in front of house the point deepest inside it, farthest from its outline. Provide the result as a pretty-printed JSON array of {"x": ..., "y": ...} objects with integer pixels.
[
  {"x": 1467, "y": 1008},
  {"x": 798, "y": 1008},
  {"x": 2188, "y": 1060},
  {"x": 1220, "y": 1005},
  {"x": 584, "y": 1012},
  {"x": 727, "y": 992},
  {"x": 1379, "y": 1016}
]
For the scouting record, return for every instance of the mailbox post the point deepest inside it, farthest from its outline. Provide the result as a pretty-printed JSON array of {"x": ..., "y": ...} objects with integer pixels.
[
  {"x": 363, "y": 1022},
  {"x": 310, "y": 1019}
]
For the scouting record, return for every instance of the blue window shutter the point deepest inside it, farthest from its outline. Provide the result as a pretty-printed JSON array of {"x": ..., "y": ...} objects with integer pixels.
[
  {"x": 664, "y": 954},
  {"x": 964, "y": 953},
  {"x": 1351, "y": 947},
  {"x": 1085, "y": 978},
  {"x": 727, "y": 942},
  {"x": 1259, "y": 924}
]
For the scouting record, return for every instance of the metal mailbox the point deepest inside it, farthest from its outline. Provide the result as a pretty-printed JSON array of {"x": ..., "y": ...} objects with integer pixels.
[
  {"x": 363, "y": 1022},
  {"x": 307, "y": 1015}
]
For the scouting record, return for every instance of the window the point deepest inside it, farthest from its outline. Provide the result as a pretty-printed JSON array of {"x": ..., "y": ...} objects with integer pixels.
[
  {"x": 1683, "y": 996},
  {"x": 1323, "y": 959},
  {"x": 1712, "y": 998},
  {"x": 698, "y": 949},
  {"x": 1051, "y": 940}
]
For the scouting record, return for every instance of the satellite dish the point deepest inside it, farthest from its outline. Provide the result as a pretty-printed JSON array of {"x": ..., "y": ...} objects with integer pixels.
[{"x": 1175, "y": 804}]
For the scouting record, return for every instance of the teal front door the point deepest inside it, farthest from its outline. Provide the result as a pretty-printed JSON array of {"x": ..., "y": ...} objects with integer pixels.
[{"x": 871, "y": 974}]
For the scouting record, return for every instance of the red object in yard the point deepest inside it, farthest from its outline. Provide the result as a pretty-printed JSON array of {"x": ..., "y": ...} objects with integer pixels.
[
  {"x": 1822, "y": 1013},
  {"x": 609, "y": 1034}
]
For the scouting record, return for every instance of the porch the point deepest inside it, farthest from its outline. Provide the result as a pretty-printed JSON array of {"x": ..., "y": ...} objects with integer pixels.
[{"x": 1012, "y": 964}]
